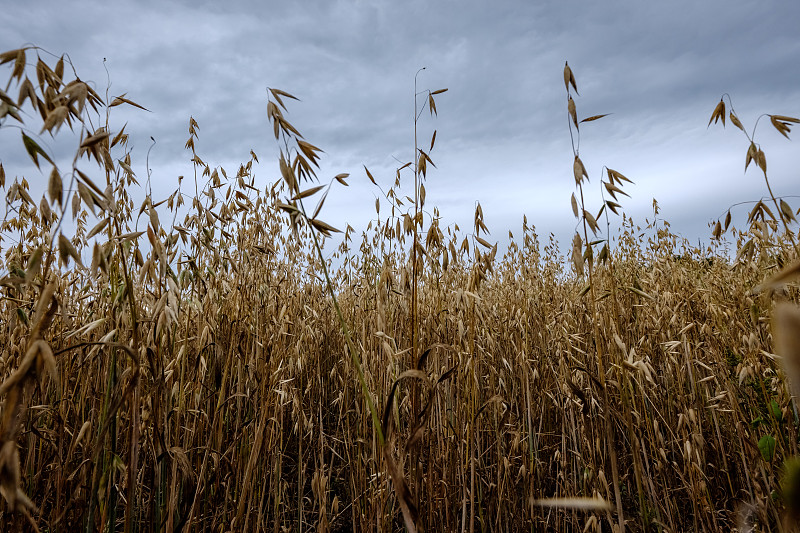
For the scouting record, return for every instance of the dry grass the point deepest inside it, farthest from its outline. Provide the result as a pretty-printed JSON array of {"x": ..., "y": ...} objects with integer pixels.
[{"x": 217, "y": 375}]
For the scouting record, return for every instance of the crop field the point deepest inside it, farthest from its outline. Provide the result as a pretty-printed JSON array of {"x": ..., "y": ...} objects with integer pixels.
[{"x": 197, "y": 363}]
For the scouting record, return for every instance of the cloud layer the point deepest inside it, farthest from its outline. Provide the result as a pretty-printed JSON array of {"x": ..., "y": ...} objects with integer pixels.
[{"x": 502, "y": 136}]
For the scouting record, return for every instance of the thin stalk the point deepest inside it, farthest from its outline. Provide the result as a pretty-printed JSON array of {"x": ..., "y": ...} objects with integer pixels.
[
  {"x": 133, "y": 464},
  {"x": 625, "y": 389},
  {"x": 598, "y": 341},
  {"x": 414, "y": 268},
  {"x": 354, "y": 357}
]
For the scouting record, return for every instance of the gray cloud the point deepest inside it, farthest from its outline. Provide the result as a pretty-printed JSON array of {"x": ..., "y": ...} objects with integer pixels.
[{"x": 502, "y": 129}]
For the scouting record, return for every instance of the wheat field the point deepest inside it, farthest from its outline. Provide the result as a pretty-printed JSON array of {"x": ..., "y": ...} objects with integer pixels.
[{"x": 195, "y": 363}]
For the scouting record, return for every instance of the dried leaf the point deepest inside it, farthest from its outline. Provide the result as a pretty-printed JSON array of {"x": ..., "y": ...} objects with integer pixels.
[
  {"x": 595, "y": 117},
  {"x": 10, "y": 109},
  {"x": 308, "y": 192},
  {"x": 309, "y": 150},
  {"x": 34, "y": 150},
  {"x": 288, "y": 175},
  {"x": 66, "y": 250},
  {"x": 289, "y": 208},
  {"x": 640, "y": 293},
  {"x": 27, "y": 92},
  {"x": 320, "y": 204},
  {"x": 19, "y": 65},
  {"x": 717, "y": 230},
  {"x": 121, "y": 136},
  {"x": 787, "y": 212},
  {"x": 483, "y": 242},
  {"x": 614, "y": 175},
  {"x": 613, "y": 206},
  {"x": 569, "y": 78},
  {"x": 76, "y": 205},
  {"x": 579, "y": 170},
  {"x": 90, "y": 141},
  {"x": 735, "y": 121},
  {"x": 34, "y": 265},
  {"x": 761, "y": 160},
  {"x": 719, "y": 113},
  {"x": 85, "y": 428},
  {"x": 324, "y": 227},
  {"x": 421, "y": 166},
  {"x": 599, "y": 213},
  {"x": 11, "y": 55},
  {"x": 44, "y": 208},
  {"x": 48, "y": 360},
  {"x": 583, "y": 504},
  {"x": 572, "y": 112},
  {"x": 130, "y": 237},
  {"x": 277, "y": 93},
  {"x": 6, "y": 99},
  {"x": 745, "y": 253},
  {"x": 54, "y": 186},
  {"x": 782, "y": 128},
  {"x": 784, "y": 118},
  {"x": 60, "y": 68},
  {"x": 119, "y": 100},
  {"x": 752, "y": 152},
  {"x": 765, "y": 209},
  {"x": 613, "y": 190},
  {"x": 604, "y": 254},
  {"x": 55, "y": 119},
  {"x": 98, "y": 228},
  {"x": 577, "y": 254},
  {"x": 86, "y": 196},
  {"x": 591, "y": 221},
  {"x": 369, "y": 175}
]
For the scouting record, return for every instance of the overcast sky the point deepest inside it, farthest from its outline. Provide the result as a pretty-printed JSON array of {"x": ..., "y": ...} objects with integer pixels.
[{"x": 658, "y": 67}]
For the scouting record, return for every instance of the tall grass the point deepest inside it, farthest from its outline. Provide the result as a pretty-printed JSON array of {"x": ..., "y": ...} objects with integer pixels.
[{"x": 209, "y": 370}]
